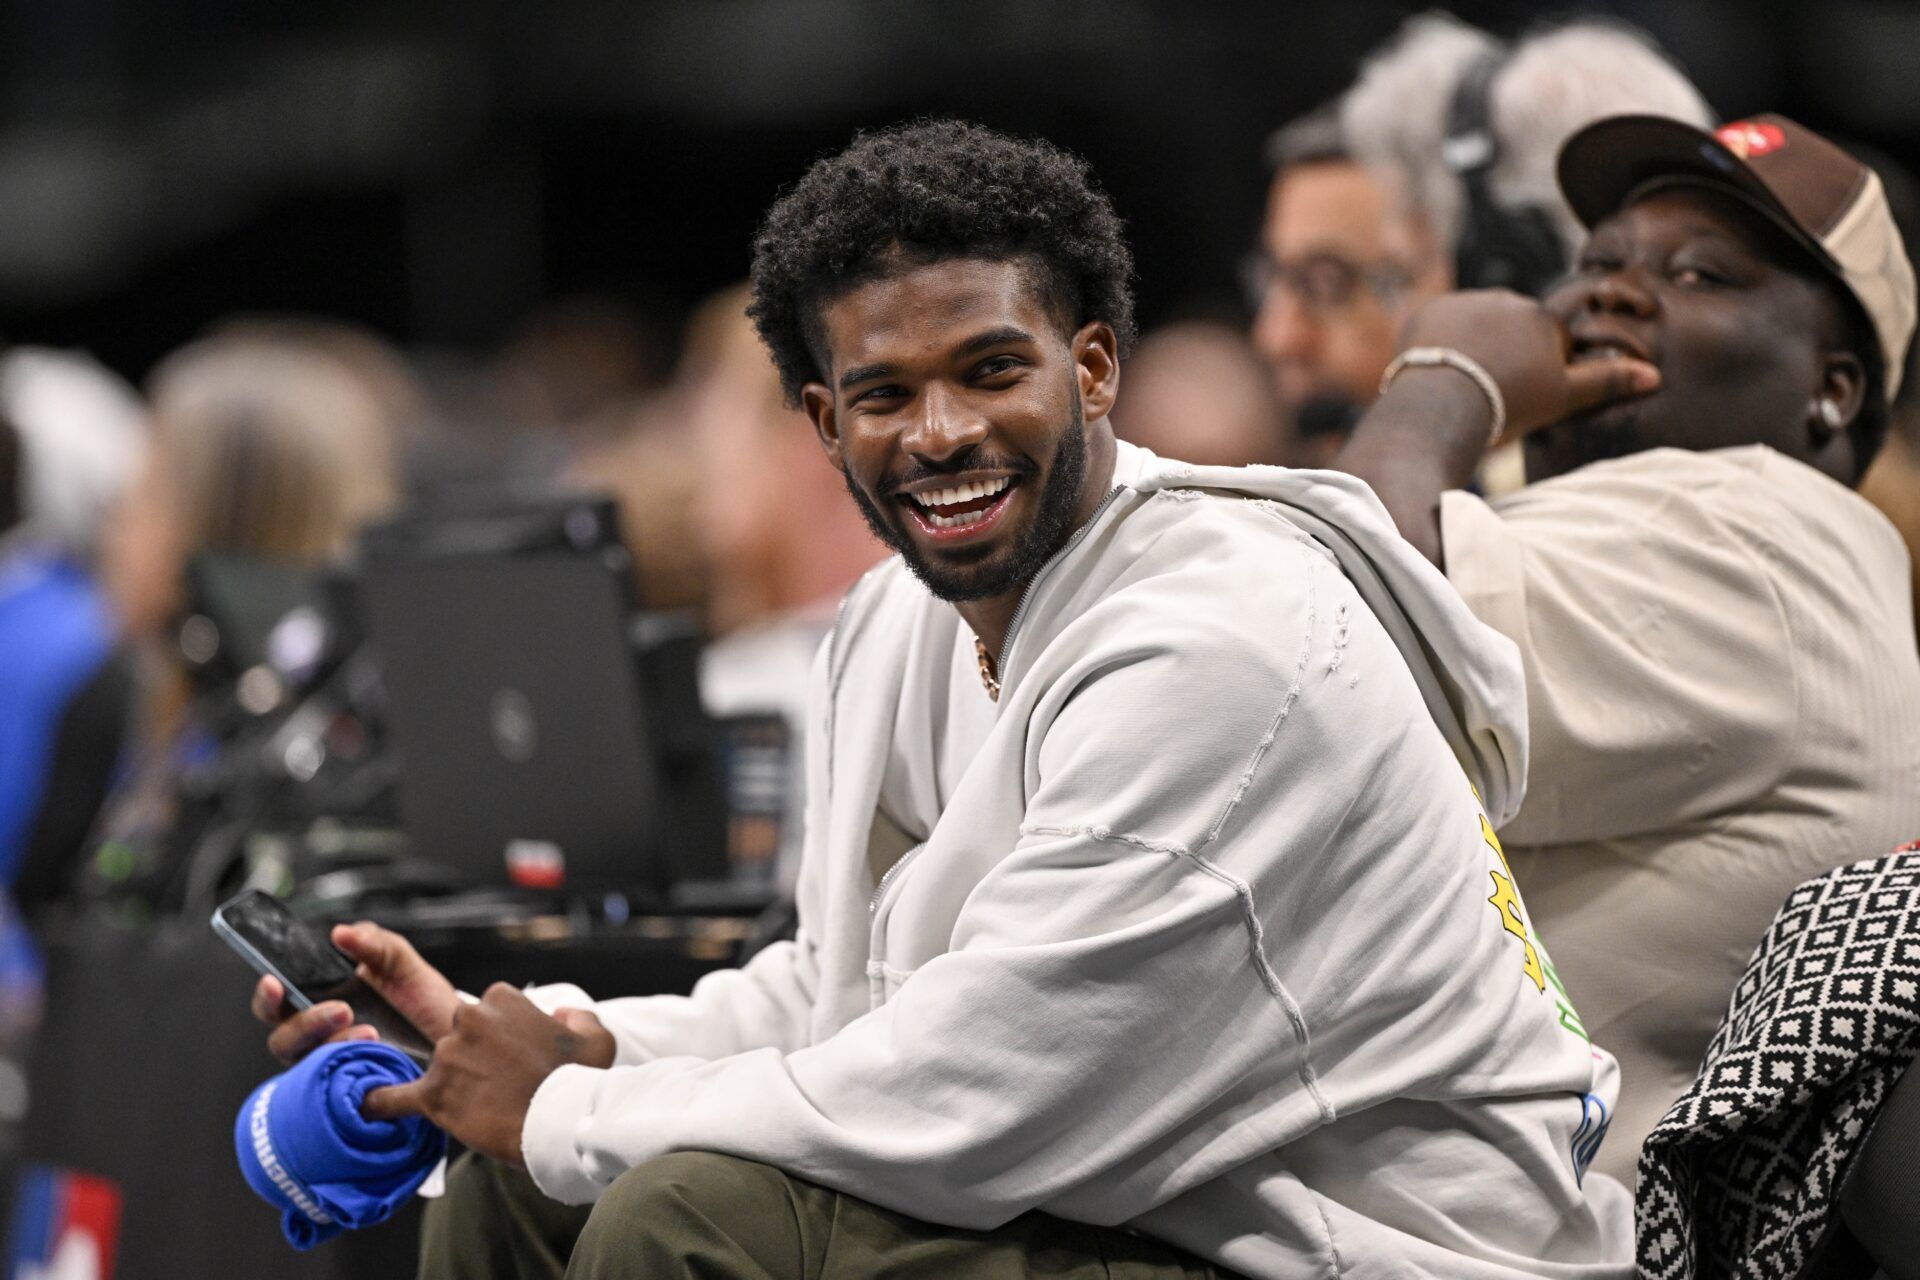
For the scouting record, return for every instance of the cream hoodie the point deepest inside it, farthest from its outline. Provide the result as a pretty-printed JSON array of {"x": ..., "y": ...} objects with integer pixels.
[{"x": 1213, "y": 938}]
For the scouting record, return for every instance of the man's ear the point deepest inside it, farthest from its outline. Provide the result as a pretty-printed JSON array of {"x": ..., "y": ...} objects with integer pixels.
[
  {"x": 1843, "y": 382},
  {"x": 817, "y": 399},
  {"x": 1096, "y": 359}
]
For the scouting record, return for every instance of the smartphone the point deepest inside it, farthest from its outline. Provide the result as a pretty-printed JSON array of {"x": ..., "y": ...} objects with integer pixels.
[{"x": 309, "y": 967}]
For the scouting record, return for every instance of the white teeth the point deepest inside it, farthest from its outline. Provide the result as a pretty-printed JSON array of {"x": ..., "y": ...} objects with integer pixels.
[
  {"x": 953, "y": 522},
  {"x": 961, "y": 493}
]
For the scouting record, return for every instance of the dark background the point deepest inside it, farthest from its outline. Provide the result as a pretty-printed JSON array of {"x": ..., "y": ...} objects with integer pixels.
[{"x": 436, "y": 170}]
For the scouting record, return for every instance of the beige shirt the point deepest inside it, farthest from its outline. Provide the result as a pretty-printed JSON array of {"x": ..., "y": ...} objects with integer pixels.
[{"x": 1724, "y": 700}]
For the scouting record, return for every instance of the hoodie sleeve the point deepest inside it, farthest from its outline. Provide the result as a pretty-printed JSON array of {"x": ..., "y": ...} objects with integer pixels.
[
  {"x": 765, "y": 1002},
  {"x": 1105, "y": 1023}
]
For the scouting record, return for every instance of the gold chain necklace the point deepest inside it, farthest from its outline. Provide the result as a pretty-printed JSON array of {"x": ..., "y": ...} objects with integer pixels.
[{"x": 987, "y": 674}]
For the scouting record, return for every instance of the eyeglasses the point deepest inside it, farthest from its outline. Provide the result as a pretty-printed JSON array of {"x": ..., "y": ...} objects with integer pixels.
[{"x": 1321, "y": 282}]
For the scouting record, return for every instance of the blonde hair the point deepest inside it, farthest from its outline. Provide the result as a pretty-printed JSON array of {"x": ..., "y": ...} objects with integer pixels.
[{"x": 274, "y": 448}]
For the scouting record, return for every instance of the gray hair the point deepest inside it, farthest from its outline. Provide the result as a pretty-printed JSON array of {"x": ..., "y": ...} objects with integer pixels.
[
  {"x": 1309, "y": 139},
  {"x": 82, "y": 437},
  {"x": 1553, "y": 84}
]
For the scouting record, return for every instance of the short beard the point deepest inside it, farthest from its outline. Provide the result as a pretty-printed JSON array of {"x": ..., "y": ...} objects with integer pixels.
[{"x": 1052, "y": 526}]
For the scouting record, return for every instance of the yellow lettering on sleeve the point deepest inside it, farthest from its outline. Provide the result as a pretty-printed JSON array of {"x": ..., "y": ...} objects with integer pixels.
[{"x": 1507, "y": 903}]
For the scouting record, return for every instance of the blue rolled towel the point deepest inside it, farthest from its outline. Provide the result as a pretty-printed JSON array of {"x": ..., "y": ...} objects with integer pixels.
[{"x": 306, "y": 1150}]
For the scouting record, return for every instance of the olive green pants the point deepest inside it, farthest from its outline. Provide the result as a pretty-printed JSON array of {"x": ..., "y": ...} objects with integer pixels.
[{"x": 697, "y": 1214}]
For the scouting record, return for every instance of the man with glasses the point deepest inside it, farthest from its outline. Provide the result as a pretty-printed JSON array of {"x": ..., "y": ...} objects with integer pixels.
[{"x": 1339, "y": 268}]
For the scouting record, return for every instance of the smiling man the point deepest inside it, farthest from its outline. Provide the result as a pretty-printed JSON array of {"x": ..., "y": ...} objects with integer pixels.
[
  {"x": 973, "y": 533},
  {"x": 1722, "y": 690},
  {"x": 1151, "y": 919}
]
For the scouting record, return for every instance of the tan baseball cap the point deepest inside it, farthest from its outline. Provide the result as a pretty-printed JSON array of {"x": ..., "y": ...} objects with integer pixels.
[{"x": 1825, "y": 200}]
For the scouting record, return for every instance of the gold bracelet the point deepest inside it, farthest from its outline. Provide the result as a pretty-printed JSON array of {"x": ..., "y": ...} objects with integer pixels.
[{"x": 1461, "y": 362}]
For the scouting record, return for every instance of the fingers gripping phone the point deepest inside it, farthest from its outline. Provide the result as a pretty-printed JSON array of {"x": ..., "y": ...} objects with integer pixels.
[{"x": 309, "y": 967}]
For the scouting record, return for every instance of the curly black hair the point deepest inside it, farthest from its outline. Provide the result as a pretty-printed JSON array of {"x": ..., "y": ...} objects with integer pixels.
[{"x": 922, "y": 192}]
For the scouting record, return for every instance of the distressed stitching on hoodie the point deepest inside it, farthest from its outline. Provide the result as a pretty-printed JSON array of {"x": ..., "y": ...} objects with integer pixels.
[
  {"x": 1333, "y": 1249},
  {"x": 1250, "y": 917},
  {"x": 881, "y": 969},
  {"x": 1342, "y": 632},
  {"x": 1286, "y": 705}
]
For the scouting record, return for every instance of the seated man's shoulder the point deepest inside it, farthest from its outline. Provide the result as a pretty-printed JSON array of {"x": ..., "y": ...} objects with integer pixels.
[
  {"x": 1234, "y": 653},
  {"x": 1254, "y": 541},
  {"x": 1225, "y": 579},
  {"x": 1776, "y": 515},
  {"x": 1208, "y": 535},
  {"x": 1734, "y": 483}
]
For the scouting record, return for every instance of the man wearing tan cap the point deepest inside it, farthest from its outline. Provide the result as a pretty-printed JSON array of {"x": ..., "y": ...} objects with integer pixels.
[{"x": 1723, "y": 692}]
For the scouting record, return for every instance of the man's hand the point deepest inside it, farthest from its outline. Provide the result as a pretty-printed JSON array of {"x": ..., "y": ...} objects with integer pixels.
[
  {"x": 1525, "y": 350},
  {"x": 486, "y": 1068},
  {"x": 1427, "y": 433},
  {"x": 387, "y": 963}
]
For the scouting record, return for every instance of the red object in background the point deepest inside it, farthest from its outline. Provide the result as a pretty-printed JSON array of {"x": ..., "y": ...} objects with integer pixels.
[
  {"x": 66, "y": 1226},
  {"x": 536, "y": 864}
]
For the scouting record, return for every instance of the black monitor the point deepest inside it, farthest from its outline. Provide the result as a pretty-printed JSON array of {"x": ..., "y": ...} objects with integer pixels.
[{"x": 514, "y": 697}]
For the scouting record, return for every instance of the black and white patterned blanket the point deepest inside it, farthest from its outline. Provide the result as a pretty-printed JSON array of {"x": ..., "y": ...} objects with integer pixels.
[{"x": 1740, "y": 1178}]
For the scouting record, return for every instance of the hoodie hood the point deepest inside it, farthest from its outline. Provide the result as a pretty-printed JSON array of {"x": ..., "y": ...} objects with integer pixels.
[{"x": 1469, "y": 674}]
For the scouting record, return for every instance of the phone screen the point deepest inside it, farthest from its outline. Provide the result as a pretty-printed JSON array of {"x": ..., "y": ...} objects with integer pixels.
[
  {"x": 273, "y": 941},
  {"x": 301, "y": 953}
]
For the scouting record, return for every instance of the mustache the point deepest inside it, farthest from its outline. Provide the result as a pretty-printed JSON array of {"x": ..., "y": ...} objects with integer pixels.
[{"x": 969, "y": 461}]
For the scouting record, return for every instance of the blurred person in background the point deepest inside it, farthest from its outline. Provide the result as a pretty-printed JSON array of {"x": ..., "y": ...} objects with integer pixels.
[
  {"x": 83, "y": 437},
  {"x": 783, "y": 542},
  {"x": 712, "y": 482},
  {"x": 762, "y": 480},
  {"x": 730, "y": 511},
  {"x": 1434, "y": 171},
  {"x": 1197, "y": 392},
  {"x": 72, "y": 437},
  {"x": 264, "y": 446},
  {"x": 1723, "y": 691},
  {"x": 1340, "y": 266},
  {"x": 569, "y": 398},
  {"x": 407, "y": 421},
  {"x": 574, "y": 359},
  {"x": 269, "y": 449},
  {"x": 1465, "y": 129},
  {"x": 641, "y": 453}
]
